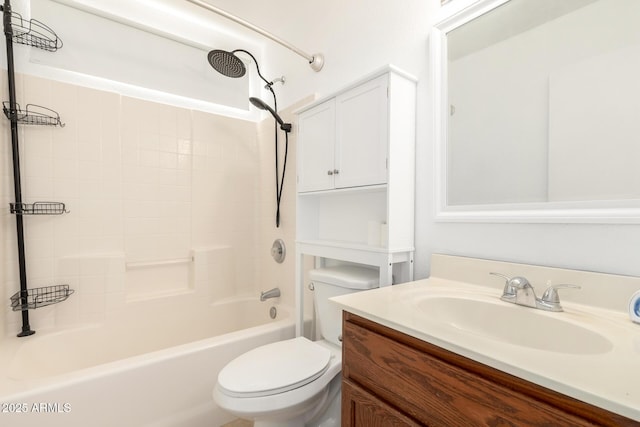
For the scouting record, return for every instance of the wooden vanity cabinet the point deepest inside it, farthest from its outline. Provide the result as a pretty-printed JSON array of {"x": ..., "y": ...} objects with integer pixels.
[{"x": 392, "y": 379}]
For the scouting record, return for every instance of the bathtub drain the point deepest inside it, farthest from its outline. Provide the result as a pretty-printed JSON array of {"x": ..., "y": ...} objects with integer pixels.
[{"x": 273, "y": 312}]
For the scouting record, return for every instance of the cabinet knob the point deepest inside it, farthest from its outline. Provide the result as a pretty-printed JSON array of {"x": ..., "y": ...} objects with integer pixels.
[
  {"x": 329, "y": 172},
  {"x": 336, "y": 171}
]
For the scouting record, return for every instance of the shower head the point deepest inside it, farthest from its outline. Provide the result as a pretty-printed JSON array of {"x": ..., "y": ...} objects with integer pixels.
[
  {"x": 226, "y": 63},
  {"x": 259, "y": 103},
  {"x": 230, "y": 65}
]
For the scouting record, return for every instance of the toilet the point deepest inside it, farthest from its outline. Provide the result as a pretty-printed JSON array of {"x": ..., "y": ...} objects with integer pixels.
[{"x": 296, "y": 382}]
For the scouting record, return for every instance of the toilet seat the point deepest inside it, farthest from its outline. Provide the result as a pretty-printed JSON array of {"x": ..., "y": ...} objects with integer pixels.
[{"x": 274, "y": 368}]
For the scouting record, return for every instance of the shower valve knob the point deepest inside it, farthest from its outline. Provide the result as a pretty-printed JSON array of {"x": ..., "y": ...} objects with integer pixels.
[{"x": 278, "y": 251}]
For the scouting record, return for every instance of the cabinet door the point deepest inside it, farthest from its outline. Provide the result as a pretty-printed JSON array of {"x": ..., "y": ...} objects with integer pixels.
[
  {"x": 316, "y": 147},
  {"x": 362, "y": 135},
  {"x": 361, "y": 409}
]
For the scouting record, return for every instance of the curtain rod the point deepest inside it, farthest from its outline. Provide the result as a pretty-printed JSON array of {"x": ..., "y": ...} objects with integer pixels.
[{"x": 316, "y": 61}]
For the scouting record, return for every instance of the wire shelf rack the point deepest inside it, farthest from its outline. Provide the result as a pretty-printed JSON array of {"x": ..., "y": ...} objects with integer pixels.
[
  {"x": 38, "y": 208},
  {"x": 40, "y": 297},
  {"x": 34, "y": 33},
  {"x": 32, "y": 114}
]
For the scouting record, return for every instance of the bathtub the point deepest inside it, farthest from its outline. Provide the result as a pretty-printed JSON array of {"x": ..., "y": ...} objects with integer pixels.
[{"x": 141, "y": 370}]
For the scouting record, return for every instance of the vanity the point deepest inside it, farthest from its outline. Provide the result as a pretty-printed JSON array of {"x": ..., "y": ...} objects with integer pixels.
[{"x": 447, "y": 351}]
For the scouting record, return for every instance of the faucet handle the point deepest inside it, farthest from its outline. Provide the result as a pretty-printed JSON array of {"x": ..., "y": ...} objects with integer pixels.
[
  {"x": 513, "y": 283},
  {"x": 509, "y": 290},
  {"x": 551, "y": 294},
  {"x": 517, "y": 281},
  {"x": 507, "y": 278}
]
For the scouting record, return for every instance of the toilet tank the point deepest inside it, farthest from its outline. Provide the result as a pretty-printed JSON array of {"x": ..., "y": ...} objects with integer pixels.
[{"x": 334, "y": 281}]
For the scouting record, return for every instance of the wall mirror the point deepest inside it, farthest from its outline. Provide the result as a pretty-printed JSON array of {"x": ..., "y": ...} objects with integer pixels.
[{"x": 537, "y": 111}]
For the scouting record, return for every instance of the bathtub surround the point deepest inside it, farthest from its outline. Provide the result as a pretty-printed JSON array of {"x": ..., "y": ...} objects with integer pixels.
[
  {"x": 144, "y": 183},
  {"x": 171, "y": 215}
]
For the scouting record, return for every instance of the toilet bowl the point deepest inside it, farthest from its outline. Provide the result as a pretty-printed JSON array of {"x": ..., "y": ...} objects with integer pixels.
[
  {"x": 284, "y": 384},
  {"x": 296, "y": 382}
]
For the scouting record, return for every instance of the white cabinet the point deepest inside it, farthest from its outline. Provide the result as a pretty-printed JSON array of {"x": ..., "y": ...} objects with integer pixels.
[
  {"x": 356, "y": 177},
  {"x": 343, "y": 141},
  {"x": 361, "y": 134},
  {"x": 315, "y": 162}
]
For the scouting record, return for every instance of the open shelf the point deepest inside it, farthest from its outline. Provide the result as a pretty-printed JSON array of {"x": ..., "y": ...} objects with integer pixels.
[
  {"x": 33, "y": 33},
  {"x": 38, "y": 208},
  {"x": 40, "y": 297},
  {"x": 32, "y": 115},
  {"x": 360, "y": 247},
  {"x": 348, "y": 190}
]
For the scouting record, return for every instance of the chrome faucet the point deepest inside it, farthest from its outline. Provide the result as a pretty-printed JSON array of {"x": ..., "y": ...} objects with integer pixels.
[
  {"x": 271, "y": 293},
  {"x": 518, "y": 290}
]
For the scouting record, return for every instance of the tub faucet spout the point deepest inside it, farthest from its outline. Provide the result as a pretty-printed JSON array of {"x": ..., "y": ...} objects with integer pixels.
[{"x": 271, "y": 293}]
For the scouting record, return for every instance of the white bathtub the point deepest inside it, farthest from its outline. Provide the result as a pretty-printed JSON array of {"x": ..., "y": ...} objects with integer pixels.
[{"x": 143, "y": 370}]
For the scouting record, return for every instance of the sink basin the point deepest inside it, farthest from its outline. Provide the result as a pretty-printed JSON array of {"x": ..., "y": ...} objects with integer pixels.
[{"x": 514, "y": 324}]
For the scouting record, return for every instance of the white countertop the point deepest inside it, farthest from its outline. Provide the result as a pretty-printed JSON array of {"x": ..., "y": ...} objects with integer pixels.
[{"x": 610, "y": 380}]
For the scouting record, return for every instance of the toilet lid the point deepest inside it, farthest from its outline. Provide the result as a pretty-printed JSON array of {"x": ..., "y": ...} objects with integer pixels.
[{"x": 274, "y": 368}]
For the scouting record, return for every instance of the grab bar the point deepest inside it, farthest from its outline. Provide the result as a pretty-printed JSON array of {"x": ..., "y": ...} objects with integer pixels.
[{"x": 144, "y": 264}]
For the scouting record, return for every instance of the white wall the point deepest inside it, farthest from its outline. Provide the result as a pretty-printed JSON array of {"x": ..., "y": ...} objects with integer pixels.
[
  {"x": 357, "y": 38},
  {"x": 149, "y": 49}
]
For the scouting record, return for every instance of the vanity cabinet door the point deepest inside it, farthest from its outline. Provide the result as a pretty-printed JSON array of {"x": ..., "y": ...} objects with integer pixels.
[
  {"x": 436, "y": 387},
  {"x": 361, "y": 409}
]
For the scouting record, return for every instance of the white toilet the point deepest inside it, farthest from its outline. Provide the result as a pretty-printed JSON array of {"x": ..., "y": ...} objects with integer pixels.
[{"x": 296, "y": 382}]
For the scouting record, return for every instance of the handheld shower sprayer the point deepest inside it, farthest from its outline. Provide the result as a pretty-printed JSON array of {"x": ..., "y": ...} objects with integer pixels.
[
  {"x": 259, "y": 103},
  {"x": 230, "y": 65}
]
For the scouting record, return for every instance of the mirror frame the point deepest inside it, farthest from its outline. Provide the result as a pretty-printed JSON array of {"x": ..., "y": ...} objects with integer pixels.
[{"x": 453, "y": 15}]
